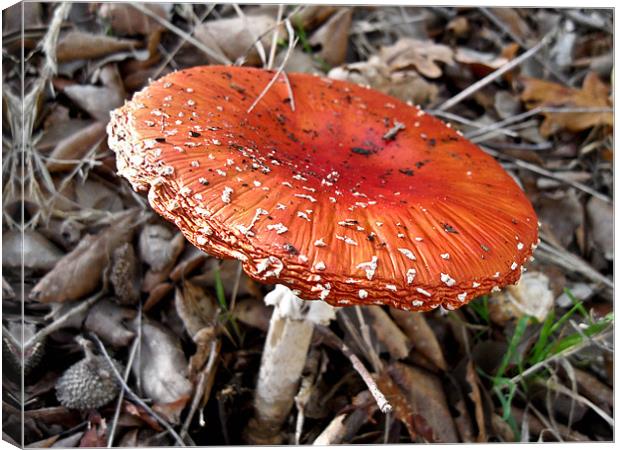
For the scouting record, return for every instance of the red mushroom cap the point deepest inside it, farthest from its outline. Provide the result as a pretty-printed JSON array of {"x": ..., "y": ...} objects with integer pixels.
[{"x": 353, "y": 198}]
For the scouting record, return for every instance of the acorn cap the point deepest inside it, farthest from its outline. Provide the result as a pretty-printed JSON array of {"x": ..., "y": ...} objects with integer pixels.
[
  {"x": 88, "y": 384},
  {"x": 353, "y": 198}
]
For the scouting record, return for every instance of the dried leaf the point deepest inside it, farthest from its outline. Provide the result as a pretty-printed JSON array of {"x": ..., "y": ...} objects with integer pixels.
[
  {"x": 600, "y": 219},
  {"x": 333, "y": 37},
  {"x": 409, "y": 53},
  {"x": 459, "y": 26},
  {"x": 254, "y": 313},
  {"x": 593, "y": 94},
  {"x": 79, "y": 272},
  {"x": 511, "y": 17},
  {"x": 162, "y": 366},
  {"x": 235, "y": 37},
  {"x": 471, "y": 377},
  {"x": 531, "y": 297},
  {"x": 401, "y": 407},
  {"x": 107, "y": 320},
  {"x": 561, "y": 214},
  {"x": 406, "y": 85},
  {"x": 128, "y": 21},
  {"x": 192, "y": 259},
  {"x": 95, "y": 195},
  {"x": 195, "y": 307},
  {"x": 397, "y": 343},
  {"x": 77, "y": 45},
  {"x": 96, "y": 434},
  {"x": 155, "y": 246},
  {"x": 75, "y": 147},
  {"x": 480, "y": 63},
  {"x": 98, "y": 101},
  {"x": 426, "y": 398},
  {"x": 156, "y": 294},
  {"x": 421, "y": 336},
  {"x": 311, "y": 16},
  {"x": 37, "y": 252}
]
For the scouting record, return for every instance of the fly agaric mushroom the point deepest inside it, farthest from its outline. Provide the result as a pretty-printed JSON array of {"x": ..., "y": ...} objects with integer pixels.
[{"x": 352, "y": 197}]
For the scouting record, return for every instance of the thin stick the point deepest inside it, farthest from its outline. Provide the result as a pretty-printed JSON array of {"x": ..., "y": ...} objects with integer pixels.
[
  {"x": 539, "y": 170},
  {"x": 334, "y": 341},
  {"x": 132, "y": 395},
  {"x": 506, "y": 29},
  {"x": 60, "y": 322},
  {"x": 121, "y": 396},
  {"x": 274, "y": 40},
  {"x": 496, "y": 74},
  {"x": 222, "y": 59},
  {"x": 205, "y": 383},
  {"x": 290, "y": 91},
  {"x": 497, "y": 126},
  {"x": 274, "y": 78}
]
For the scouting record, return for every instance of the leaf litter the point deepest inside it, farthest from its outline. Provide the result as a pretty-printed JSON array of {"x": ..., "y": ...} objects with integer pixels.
[{"x": 192, "y": 328}]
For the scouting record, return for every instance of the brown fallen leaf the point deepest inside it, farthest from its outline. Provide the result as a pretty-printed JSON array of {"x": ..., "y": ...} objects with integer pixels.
[
  {"x": 421, "y": 336},
  {"x": 96, "y": 433},
  {"x": 79, "y": 272},
  {"x": 333, "y": 37},
  {"x": 98, "y": 101},
  {"x": 76, "y": 45},
  {"x": 396, "y": 342},
  {"x": 128, "y": 21},
  {"x": 195, "y": 307},
  {"x": 420, "y": 55},
  {"x": 190, "y": 261},
  {"x": 156, "y": 294},
  {"x": 253, "y": 312},
  {"x": 403, "y": 410},
  {"x": 480, "y": 63},
  {"x": 311, "y": 16},
  {"x": 75, "y": 147},
  {"x": 593, "y": 94},
  {"x": 426, "y": 398},
  {"x": 471, "y": 377}
]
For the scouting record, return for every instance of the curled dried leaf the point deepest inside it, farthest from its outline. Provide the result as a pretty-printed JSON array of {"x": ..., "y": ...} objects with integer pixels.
[
  {"x": 593, "y": 94},
  {"x": 420, "y": 55}
]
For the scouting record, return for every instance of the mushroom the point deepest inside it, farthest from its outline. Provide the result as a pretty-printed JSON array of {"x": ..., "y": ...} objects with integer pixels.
[{"x": 351, "y": 197}]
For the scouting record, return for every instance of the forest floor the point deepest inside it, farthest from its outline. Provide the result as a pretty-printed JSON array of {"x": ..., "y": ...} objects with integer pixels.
[{"x": 532, "y": 87}]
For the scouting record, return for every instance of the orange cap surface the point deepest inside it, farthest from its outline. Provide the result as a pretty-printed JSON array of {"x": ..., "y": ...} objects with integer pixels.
[{"x": 353, "y": 198}]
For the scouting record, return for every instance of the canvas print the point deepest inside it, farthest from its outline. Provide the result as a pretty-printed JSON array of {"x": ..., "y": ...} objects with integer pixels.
[{"x": 231, "y": 224}]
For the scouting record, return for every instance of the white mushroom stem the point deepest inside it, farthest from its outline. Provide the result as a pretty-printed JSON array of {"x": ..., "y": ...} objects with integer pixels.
[{"x": 284, "y": 356}]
